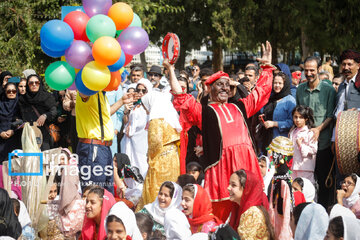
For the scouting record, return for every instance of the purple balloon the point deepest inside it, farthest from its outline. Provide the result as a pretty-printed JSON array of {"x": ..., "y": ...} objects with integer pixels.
[
  {"x": 94, "y": 7},
  {"x": 133, "y": 40},
  {"x": 78, "y": 54},
  {"x": 73, "y": 86}
]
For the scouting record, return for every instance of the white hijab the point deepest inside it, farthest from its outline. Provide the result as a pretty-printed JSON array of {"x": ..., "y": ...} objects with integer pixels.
[
  {"x": 146, "y": 83},
  {"x": 159, "y": 105},
  {"x": 313, "y": 223},
  {"x": 127, "y": 216},
  {"x": 350, "y": 201},
  {"x": 23, "y": 217},
  {"x": 308, "y": 190},
  {"x": 350, "y": 222},
  {"x": 158, "y": 213},
  {"x": 270, "y": 170},
  {"x": 176, "y": 225}
]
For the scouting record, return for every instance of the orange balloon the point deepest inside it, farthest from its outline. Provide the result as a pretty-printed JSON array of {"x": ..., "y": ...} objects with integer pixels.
[
  {"x": 106, "y": 50},
  {"x": 122, "y": 15},
  {"x": 114, "y": 82}
]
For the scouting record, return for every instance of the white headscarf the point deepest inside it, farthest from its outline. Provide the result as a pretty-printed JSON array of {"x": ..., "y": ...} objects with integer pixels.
[
  {"x": 342, "y": 211},
  {"x": 127, "y": 216},
  {"x": 23, "y": 217},
  {"x": 308, "y": 190},
  {"x": 199, "y": 236},
  {"x": 270, "y": 170},
  {"x": 160, "y": 106},
  {"x": 146, "y": 83},
  {"x": 313, "y": 223},
  {"x": 351, "y": 228},
  {"x": 354, "y": 197},
  {"x": 349, "y": 219},
  {"x": 176, "y": 225},
  {"x": 157, "y": 212}
]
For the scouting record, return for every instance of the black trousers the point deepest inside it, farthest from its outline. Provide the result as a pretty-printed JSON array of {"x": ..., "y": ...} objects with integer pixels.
[{"x": 324, "y": 159}]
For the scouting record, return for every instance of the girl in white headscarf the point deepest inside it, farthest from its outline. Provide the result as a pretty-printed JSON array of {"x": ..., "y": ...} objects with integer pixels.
[
  {"x": 120, "y": 223},
  {"x": 169, "y": 198},
  {"x": 267, "y": 171},
  {"x": 312, "y": 223},
  {"x": 305, "y": 186},
  {"x": 176, "y": 225},
  {"x": 135, "y": 143},
  {"x": 348, "y": 196},
  {"x": 163, "y": 139},
  {"x": 343, "y": 228}
]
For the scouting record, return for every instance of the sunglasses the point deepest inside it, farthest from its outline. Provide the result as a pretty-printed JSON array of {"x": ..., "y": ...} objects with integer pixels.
[
  {"x": 13, "y": 91},
  {"x": 154, "y": 74},
  {"x": 37, "y": 83},
  {"x": 141, "y": 90}
]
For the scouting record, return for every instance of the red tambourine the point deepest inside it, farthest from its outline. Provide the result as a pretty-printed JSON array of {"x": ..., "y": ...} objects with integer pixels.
[{"x": 171, "y": 47}]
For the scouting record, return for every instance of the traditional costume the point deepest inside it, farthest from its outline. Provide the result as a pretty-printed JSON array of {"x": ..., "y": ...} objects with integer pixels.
[
  {"x": 281, "y": 197},
  {"x": 247, "y": 218},
  {"x": 163, "y": 138},
  {"x": 226, "y": 141}
]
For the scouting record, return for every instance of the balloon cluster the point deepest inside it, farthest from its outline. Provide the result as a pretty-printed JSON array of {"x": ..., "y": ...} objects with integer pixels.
[{"x": 95, "y": 44}]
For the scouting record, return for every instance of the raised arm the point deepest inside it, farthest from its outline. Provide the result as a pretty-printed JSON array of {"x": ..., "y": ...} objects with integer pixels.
[
  {"x": 260, "y": 95},
  {"x": 175, "y": 86}
]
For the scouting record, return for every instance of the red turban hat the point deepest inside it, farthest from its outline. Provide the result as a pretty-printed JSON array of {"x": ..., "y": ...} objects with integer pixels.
[{"x": 216, "y": 76}]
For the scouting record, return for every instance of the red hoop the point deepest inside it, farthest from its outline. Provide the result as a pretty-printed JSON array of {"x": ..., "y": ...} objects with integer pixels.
[{"x": 171, "y": 47}]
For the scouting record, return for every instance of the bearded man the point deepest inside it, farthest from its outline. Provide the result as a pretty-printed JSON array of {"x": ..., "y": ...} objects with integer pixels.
[{"x": 226, "y": 141}]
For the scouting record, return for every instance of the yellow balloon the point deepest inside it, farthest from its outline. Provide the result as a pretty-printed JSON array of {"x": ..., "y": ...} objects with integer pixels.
[
  {"x": 95, "y": 76},
  {"x": 63, "y": 58}
]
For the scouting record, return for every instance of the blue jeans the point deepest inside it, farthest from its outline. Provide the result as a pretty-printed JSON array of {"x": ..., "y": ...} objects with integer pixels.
[{"x": 95, "y": 166}]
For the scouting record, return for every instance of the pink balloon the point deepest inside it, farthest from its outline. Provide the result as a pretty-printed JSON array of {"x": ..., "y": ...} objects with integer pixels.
[
  {"x": 94, "y": 7},
  {"x": 133, "y": 40},
  {"x": 73, "y": 86},
  {"x": 78, "y": 54}
]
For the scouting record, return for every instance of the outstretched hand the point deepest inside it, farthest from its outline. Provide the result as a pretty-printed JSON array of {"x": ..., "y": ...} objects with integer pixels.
[
  {"x": 167, "y": 64},
  {"x": 266, "y": 56}
]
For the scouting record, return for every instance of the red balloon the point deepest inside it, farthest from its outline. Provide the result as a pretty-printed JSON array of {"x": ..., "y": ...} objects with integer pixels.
[
  {"x": 128, "y": 59},
  {"x": 77, "y": 21},
  {"x": 114, "y": 82}
]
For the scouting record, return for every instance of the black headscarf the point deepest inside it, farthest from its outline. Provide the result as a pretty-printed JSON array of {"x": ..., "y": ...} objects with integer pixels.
[
  {"x": 40, "y": 98},
  {"x": 2, "y": 76},
  {"x": 267, "y": 134},
  {"x": 8, "y": 106},
  {"x": 9, "y": 223},
  {"x": 224, "y": 232}
]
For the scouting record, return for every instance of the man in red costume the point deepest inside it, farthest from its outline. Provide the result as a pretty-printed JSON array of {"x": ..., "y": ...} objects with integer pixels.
[{"x": 226, "y": 140}]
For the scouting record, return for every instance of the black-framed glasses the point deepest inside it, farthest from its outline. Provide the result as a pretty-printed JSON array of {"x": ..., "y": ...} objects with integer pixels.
[
  {"x": 13, "y": 91},
  {"x": 141, "y": 90},
  {"x": 347, "y": 183},
  {"x": 154, "y": 74}
]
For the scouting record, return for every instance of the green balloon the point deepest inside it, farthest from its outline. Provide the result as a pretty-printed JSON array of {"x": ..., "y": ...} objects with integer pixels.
[
  {"x": 100, "y": 26},
  {"x": 59, "y": 75},
  {"x": 136, "y": 22},
  {"x": 118, "y": 32}
]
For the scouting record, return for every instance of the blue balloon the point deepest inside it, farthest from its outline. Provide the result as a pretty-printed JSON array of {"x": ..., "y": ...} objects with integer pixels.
[
  {"x": 56, "y": 35},
  {"x": 119, "y": 64},
  {"x": 81, "y": 87},
  {"x": 50, "y": 53}
]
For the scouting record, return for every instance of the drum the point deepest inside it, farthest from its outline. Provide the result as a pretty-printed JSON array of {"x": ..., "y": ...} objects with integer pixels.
[
  {"x": 347, "y": 142},
  {"x": 171, "y": 47}
]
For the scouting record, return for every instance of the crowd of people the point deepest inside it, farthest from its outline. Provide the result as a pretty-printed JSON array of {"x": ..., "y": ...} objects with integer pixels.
[{"x": 188, "y": 154}]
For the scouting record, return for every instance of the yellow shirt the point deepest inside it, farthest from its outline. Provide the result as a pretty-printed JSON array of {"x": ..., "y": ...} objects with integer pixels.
[{"x": 87, "y": 117}]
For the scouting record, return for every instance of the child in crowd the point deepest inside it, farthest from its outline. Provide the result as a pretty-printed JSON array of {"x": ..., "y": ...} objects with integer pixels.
[
  {"x": 281, "y": 201},
  {"x": 306, "y": 187},
  {"x": 305, "y": 148},
  {"x": 195, "y": 169},
  {"x": 267, "y": 172}
]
